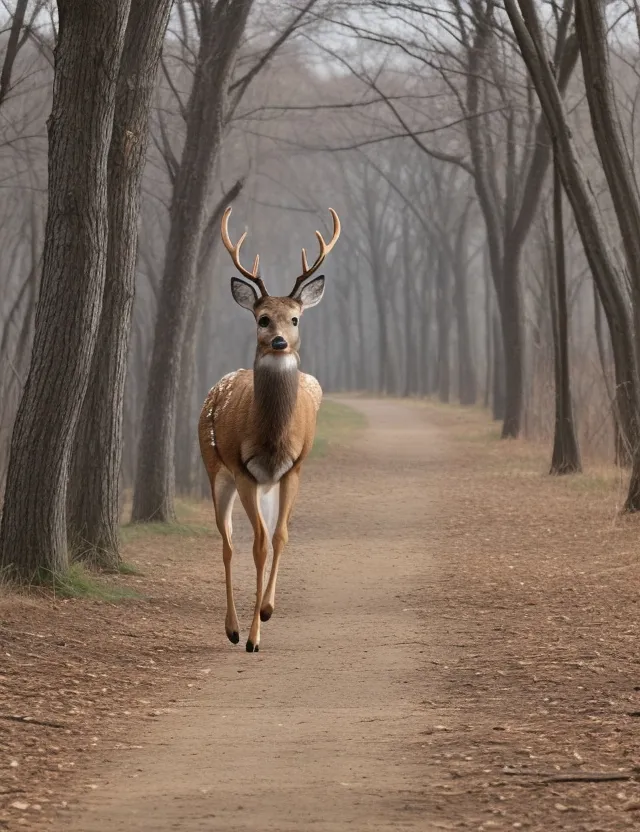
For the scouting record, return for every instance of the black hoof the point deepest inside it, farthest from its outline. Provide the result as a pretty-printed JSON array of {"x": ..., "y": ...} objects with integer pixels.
[
  {"x": 251, "y": 648},
  {"x": 265, "y": 616},
  {"x": 234, "y": 637}
]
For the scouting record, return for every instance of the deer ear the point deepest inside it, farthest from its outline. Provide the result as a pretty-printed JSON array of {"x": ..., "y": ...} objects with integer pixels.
[
  {"x": 243, "y": 293},
  {"x": 311, "y": 293}
]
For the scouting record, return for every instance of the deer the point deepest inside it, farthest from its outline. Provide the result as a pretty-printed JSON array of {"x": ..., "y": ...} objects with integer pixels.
[{"x": 258, "y": 426}]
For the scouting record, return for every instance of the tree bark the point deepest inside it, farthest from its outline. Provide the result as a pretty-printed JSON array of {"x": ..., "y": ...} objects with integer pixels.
[
  {"x": 565, "y": 458},
  {"x": 221, "y": 27},
  {"x": 33, "y": 538},
  {"x": 94, "y": 487}
]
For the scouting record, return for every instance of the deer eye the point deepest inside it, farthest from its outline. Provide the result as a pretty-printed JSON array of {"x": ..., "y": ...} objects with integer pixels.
[
  {"x": 263, "y": 321},
  {"x": 294, "y": 321}
]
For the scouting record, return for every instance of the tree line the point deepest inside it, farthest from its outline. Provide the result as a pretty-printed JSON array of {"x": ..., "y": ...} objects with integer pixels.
[{"x": 482, "y": 158}]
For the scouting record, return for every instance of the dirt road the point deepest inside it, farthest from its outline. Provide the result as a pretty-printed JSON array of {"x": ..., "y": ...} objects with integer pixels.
[{"x": 322, "y": 728}]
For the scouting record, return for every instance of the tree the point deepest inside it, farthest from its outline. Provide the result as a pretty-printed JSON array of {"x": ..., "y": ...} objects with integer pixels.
[
  {"x": 186, "y": 439},
  {"x": 221, "y": 26},
  {"x": 565, "y": 458},
  {"x": 508, "y": 225},
  {"x": 33, "y": 536},
  {"x": 94, "y": 486},
  {"x": 612, "y": 287},
  {"x": 591, "y": 28},
  {"x": 508, "y": 174}
]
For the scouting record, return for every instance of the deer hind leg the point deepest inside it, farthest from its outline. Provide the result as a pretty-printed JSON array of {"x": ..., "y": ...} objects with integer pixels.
[
  {"x": 288, "y": 493},
  {"x": 250, "y": 497},
  {"x": 224, "y": 495}
]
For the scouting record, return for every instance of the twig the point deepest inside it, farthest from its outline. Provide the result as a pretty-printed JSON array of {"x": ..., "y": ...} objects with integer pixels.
[
  {"x": 577, "y": 777},
  {"x": 31, "y": 720},
  {"x": 594, "y": 777}
]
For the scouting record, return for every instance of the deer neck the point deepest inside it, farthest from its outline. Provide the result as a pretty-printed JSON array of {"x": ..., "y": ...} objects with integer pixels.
[{"x": 275, "y": 393}]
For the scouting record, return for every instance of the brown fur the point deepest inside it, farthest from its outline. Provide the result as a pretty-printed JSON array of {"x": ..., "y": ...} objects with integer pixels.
[
  {"x": 257, "y": 427},
  {"x": 271, "y": 412}
]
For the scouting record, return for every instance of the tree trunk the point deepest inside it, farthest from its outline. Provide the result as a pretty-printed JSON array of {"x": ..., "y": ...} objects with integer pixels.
[
  {"x": 510, "y": 305},
  {"x": 426, "y": 314},
  {"x": 185, "y": 428},
  {"x": 443, "y": 316},
  {"x": 186, "y": 434},
  {"x": 565, "y": 458},
  {"x": 611, "y": 287},
  {"x": 383, "y": 340},
  {"x": 33, "y": 538},
  {"x": 344, "y": 312},
  {"x": 488, "y": 316},
  {"x": 620, "y": 451},
  {"x": 221, "y": 28},
  {"x": 591, "y": 27},
  {"x": 498, "y": 371},
  {"x": 94, "y": 487},
  {"x": 362, "y": 346},
  {"x": 467, "y": 384},
  {"x": 409, "y": 341},
  {"x": 506, "y": 236},
  {"x": 12, "y": 48}
]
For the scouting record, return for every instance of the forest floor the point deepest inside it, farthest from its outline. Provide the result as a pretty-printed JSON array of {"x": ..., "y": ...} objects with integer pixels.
[{"x": 455, "y": 646}]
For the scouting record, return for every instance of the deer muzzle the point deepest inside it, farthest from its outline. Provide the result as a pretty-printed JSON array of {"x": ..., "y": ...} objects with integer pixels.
[{"x": 279, "y": 343}]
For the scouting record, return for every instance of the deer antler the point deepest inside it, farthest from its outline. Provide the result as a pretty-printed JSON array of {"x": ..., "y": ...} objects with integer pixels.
[
  {"x": 234, "y": 251},
  {"x": 325, "y": 248}
]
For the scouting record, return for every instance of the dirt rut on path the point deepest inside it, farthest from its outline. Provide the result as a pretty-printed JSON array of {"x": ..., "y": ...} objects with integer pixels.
[{"x": 320, "y": 729}]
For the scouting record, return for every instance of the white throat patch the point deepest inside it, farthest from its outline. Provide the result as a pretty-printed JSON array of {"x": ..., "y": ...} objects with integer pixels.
[{"x": 279, "y": 363}]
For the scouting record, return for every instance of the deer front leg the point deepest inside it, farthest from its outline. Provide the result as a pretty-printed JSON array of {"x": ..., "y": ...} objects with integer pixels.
[
  {"x": 224, "y": 495},
  {"x": 288, "y": 493},
  {"x": 249, "y": 497}
]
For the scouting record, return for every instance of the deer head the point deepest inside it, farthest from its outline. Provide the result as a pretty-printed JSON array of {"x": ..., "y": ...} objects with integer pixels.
[{"x": 278, "y": 317}]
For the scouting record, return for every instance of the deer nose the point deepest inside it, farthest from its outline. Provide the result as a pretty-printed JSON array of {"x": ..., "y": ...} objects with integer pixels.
[{"x": 279, "y": 343}]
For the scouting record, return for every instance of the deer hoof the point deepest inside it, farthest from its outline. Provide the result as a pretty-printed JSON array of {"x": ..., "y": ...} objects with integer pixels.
[
  {"x": 233, "y": 636},
  {"x": 251, "y": 648},
  {"x": 266, "y": 613}
]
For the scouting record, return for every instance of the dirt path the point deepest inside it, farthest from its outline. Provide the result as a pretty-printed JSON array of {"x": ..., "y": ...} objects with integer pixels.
[
  {"x": 320, "y": 730},
  {"x": 456, "y": 646}
]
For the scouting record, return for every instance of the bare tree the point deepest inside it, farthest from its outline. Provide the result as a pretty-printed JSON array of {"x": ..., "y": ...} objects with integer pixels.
[
  {"x": 612, "y": 287},
  {"x": 33, "y": 536},
  {"x": 591, "y": 28},
  {"x": 214, "y": 98},
  {"x": 221, "y": 27},
  {"x": 95, "y": 475},
  {"x": 186, "y": 441}
]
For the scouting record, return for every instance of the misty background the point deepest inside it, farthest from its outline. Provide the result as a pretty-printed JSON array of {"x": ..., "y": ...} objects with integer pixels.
[{"x": 362, "y": 107}]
